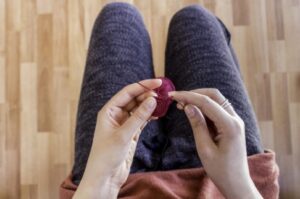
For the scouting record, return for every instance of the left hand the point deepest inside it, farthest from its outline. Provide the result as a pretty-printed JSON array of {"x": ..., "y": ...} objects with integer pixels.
[
  {"x": 116, "y": 135},
  {"x": 219, "y": 134}
]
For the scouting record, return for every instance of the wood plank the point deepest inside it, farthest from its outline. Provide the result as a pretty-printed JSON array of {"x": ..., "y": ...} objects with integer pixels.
[
  {"x": 267, "y": 134},
  {"x": 262, "y": 101},
  {"x": 29, "y": 191},
  {"x": 241, "y": 12},
  {"x": 293, "y": 86},
  {"x": 2, "y": 79},
  {"x": 44, "y": 6},
  {"x": 60, "y": 34},
  {"x": 28, "y": 131},
  {"x": 295, "y": 129},
  {"x": 274, "y": 12},
  {"x": 28, "y": 34},
  {"x": 45, "y": 67},
  {"x": 2, "y": 26},
  {"x": 280, "y": 110},
  {"x": 43, "y": 46}
]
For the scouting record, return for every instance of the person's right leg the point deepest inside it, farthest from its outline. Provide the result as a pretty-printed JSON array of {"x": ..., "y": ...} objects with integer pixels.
[
  {"x": 119, "y": 54},
  {"x": 198, "y": 55}
]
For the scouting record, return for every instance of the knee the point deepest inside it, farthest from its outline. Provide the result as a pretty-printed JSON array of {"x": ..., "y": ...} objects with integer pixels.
[
  {"x": 193, "y": 11},
  {"x": 120, "y": 13},
  {"x": 119, "y": 10},
  {"x": 193, "y": 14},
  {"x": 119, "y": 7}
]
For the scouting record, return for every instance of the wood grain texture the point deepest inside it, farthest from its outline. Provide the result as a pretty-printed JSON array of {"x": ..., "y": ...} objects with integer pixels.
[{"x": 43, "y": 46}]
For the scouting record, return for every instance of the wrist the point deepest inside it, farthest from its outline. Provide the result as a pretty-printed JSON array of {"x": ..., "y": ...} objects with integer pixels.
[
  {"x": 243, "y": 189},
  {"x": 96, "y": 189}
]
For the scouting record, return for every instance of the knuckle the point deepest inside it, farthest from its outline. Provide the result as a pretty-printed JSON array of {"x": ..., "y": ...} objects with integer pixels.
[
  {"x": 242, "y": 126},
  {"x": 185, "y": 93},
  {"x": 198, "y": 122},
  {"x": 128, "y": 94},
  {"x": 196, "y": 90},
  {"x": 124, "y": 90},
  {"x": 239, "y": 122},
  {"x": 237, "y": 126},
  {"x": 101, "y": 112},
  {"x": 204, "y": 99},
  {"x": 215, "y": 92},
  {"x": 127, "y": 87}
]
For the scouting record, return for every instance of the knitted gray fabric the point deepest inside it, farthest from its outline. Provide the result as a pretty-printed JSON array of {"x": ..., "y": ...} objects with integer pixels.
[
  {"x": 198, "y": 55},
  {"x": 119, "y": 54}
]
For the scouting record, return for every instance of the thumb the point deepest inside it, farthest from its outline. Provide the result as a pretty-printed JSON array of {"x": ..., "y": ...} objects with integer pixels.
[
  {"x": 203, "y": 139},
  {"x": 140, "y": 116}
]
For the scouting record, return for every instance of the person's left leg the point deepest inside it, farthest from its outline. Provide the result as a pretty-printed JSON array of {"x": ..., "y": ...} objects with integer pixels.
[
  {"x": 199, "y": 55},
  {"x": 119, "y": 54}
]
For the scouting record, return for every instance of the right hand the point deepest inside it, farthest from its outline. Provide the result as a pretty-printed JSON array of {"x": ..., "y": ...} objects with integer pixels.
[
  {"x": 119, "y": 124},
  {"x": 220, "y": 141}
]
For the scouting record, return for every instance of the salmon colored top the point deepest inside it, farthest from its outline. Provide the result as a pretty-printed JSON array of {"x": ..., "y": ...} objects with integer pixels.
[{"x": 190, "y": 183}]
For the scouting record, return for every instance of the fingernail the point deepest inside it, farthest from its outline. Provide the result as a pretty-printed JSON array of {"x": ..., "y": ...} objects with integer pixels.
[
  {"x": 151, "y": 103},
  {"x": 170, "y": 94},
  {"x": 160, "y": 81},
  {"x": 154, "y": 93},
  {"x": 189, "y": 110}
]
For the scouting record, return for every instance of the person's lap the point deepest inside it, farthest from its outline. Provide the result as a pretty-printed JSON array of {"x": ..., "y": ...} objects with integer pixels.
[{"x": 197, "y": 56}]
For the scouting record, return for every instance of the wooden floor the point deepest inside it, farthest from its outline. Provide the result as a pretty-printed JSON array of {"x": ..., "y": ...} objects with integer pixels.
[{"x": 43, "y": 45}]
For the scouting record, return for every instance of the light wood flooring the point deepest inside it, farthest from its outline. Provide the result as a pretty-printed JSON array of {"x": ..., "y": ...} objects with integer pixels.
[{"x": 43, "y": 45}]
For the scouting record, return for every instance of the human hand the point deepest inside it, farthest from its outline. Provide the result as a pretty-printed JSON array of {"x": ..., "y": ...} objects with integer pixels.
[
  {"x": 220, "y": 140},
  {"x": 115, "y": 139}
]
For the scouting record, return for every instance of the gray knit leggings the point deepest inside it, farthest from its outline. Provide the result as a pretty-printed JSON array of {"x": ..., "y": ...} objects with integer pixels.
[{"x": 198, "y": 55}]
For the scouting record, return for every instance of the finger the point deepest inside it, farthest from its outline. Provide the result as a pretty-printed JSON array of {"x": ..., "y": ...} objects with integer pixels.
[
  {"x": 209, "y": 107},
  {"x": 179, "y": 106},
  {"x": 198, "y": 123},
  {"x": 131, "y": 105},
  {"x": 151, "y": 118},
  {"x": 135, "y": 122},
  {"x": 129, "y": 92},
  {"x": 136, "y": 101},
  {"x": 131, "y": 111},
  {"x": 145, "y": 95},
  {"x": 216, "y": 95}
]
